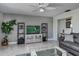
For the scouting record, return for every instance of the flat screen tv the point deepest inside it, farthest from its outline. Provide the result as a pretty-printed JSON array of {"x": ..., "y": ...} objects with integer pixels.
[{"x": 33, "y": 29}]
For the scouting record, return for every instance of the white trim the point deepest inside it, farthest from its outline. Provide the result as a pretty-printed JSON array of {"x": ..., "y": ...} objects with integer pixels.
[
  {"x": 12, "y": 42},
  {"x": 52, "y": 39},
  {"x": 49, "y": 39}
]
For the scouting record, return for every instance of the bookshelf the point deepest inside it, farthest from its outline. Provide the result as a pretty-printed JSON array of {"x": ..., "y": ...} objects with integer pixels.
[{"x": 21, "y": 33}]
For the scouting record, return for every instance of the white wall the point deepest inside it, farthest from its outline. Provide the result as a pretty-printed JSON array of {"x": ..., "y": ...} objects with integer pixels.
[
  {"x": 1, "y": 18},
  {"x": 61, "y": 25},
  {"x": 29, "y": 20},
  {"x": 75, "y": 21}
]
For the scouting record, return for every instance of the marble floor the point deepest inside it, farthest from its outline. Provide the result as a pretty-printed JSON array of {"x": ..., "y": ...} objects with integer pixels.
[{"x": 14, "y": 49}]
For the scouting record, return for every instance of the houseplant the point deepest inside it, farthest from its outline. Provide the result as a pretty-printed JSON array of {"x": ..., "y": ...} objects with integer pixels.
[{"x": 6, "y": 28}]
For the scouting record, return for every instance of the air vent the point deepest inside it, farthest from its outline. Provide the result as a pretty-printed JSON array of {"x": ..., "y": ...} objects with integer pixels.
[{"x": 68, "y": 10}]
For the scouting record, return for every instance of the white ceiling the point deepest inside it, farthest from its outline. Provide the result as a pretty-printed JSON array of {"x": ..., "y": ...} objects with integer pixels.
[{"x": 25, "y": 9}]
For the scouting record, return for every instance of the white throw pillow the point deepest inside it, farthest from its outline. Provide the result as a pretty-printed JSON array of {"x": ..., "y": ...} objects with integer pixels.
[
  {"x": 67, "y": 31},
  {"x": 69, "y": 38}
]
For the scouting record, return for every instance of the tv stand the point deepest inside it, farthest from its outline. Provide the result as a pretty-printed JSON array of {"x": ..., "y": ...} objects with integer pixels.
[{"x": 31, "y": 38}]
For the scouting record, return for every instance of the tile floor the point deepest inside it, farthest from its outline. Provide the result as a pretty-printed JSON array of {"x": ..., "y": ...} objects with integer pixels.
[{"x": 15, "y": 49}]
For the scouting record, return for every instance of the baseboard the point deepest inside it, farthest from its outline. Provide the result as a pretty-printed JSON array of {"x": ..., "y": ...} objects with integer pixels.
[
  {"x": 51, "y": 39},
  {"x": 12, "y": 42}
]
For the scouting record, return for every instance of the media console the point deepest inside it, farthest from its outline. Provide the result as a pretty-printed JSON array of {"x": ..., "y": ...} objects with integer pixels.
[{"x": 30, "y": 38}]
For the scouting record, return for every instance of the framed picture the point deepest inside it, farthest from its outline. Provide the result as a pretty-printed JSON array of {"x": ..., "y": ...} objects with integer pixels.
[{"x": 68, "y": 22}]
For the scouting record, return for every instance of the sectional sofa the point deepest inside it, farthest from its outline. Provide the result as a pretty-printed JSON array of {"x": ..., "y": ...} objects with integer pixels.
[{"x": 71, "y": 47}]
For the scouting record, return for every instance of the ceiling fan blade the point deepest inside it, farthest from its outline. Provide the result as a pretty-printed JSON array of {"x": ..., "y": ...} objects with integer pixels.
[
  {"x": 50, "y": 8},
  {"x": 35, "y": 10},
  {"x": 31, "y": 6},
  {"x": 54, "y": 5}
]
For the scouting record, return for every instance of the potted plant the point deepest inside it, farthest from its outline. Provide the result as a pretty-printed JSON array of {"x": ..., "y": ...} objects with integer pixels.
[{"x": 6, "y": 28}]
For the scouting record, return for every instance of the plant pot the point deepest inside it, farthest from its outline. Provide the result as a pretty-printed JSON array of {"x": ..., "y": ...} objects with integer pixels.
[{"x": 4, "y": 42}]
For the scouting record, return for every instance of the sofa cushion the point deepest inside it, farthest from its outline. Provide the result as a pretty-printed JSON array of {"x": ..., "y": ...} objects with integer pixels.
[
  {"x": 76, "y": 40},
  {"x": 69, "y": 38},
  {"x": 76, "y": 37},
  {"x": 71, "y": 45}
]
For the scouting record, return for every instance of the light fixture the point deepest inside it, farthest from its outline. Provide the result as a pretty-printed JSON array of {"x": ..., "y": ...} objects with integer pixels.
[
  {"x": 71, "y": 25},
  {"x": 41, "y": 10}
]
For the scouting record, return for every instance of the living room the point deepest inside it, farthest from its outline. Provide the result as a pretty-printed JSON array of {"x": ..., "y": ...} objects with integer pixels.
[
  {"x": 28, "y": 34},
  {"x": 30, "y": 22}
]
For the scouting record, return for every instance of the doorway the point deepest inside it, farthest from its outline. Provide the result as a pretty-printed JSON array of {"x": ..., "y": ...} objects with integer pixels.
[{"x": 61, "y": 26}]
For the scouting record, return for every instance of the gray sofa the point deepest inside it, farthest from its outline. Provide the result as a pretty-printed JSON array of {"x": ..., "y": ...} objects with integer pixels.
[{"x": 71, "y": 47}]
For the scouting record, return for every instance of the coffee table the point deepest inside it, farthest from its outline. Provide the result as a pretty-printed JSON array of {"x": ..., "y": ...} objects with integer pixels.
[{"x": 55, "y": 51}]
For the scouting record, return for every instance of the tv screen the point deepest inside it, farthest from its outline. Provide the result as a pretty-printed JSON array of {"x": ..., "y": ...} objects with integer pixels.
[{"x": 33, "y": 29}]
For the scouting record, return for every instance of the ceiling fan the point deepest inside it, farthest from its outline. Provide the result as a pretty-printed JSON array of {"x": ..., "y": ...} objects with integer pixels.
[{"x": 43, "y": 7}]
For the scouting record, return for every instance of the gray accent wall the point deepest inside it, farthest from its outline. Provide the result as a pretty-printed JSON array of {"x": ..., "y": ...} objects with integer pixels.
[{"x": 28, "y": 20}]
